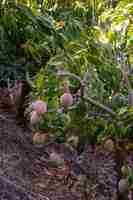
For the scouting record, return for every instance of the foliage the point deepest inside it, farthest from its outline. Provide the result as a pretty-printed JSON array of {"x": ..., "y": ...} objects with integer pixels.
[{"x": 53, "y": 42}]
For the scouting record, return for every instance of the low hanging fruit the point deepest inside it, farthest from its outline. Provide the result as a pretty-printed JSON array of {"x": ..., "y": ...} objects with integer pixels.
[
  {"x": 40, "y": 138},
  {"x": 40, "y": 107},
  {"x": 66, "y": 99},
  {"x": 34, "y": 118},
  {"x": 109, "y": 145},
  {"x": 123, "y": 185}
]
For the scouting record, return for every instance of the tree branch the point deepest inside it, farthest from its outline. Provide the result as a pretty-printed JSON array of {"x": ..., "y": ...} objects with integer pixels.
[{"x": 103, "y": 107}]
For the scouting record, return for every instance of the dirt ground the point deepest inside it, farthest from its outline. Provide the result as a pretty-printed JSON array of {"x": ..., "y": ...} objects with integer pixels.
[
  {"x": 23, "y": 171},
  {"x": 21, "y": 166}
]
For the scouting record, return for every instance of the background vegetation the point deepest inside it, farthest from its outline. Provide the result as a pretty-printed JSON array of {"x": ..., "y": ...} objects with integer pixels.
[{"x": 90, "y": 42}]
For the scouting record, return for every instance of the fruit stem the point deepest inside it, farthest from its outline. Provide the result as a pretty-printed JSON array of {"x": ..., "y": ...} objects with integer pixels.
[{"x": 66, "y": 87}]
